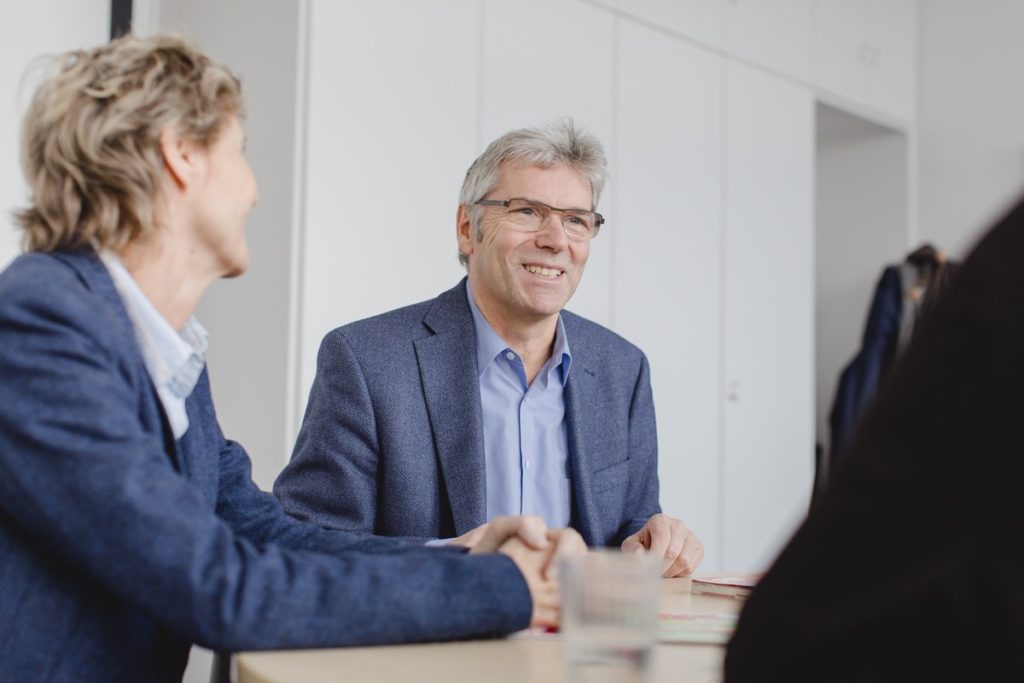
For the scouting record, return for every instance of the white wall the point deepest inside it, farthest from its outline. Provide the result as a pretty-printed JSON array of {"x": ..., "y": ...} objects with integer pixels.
[
  {"x": 665, "y": 238},
  {"x": 43, "y": 27},
  {"x": 767, "y": 450},
  {"x": 393, "y": 126},
  {"x": 971, "y": 149}
]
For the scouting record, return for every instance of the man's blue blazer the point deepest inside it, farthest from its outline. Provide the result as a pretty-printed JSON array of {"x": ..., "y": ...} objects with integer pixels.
[
  {"x": 120, "y": 547},
  {"x": 392, "y": 440}
]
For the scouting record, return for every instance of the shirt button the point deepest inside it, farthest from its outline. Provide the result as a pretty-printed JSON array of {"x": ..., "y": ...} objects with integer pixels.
[
  {"x": 510, "y": 355},
  {"x": 527, "y": 464}
]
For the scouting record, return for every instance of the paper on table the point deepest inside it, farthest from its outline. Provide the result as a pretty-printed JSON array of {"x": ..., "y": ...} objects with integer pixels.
[
  {"x": 701, "y": 629},
  {"x": 737, "y": 586},
  {"x": 706, "y": 629}
]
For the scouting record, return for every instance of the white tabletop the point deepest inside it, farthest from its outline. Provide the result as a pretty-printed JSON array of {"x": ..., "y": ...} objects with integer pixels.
[{"x": 523, "y": 657}]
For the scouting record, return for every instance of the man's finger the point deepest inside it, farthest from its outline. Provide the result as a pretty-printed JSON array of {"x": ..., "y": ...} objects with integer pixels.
[
  {"x": 694, "y": 553},
  {"x": 632, "y": 544},
  {"x": 681, "y": 567},
  {"x": 546, "y": 606},
  {"x": 661, "y": 535},
  {"x": 530, "y": 530},
  {"x": 673, "y": 555},
  {"x": 471, "y": 537},
  {"x": 688, "y": 560},
  {"x": 567, "y": 542}
]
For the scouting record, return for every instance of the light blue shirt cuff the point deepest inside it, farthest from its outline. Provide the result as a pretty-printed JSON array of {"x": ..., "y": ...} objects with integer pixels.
[{"x": 439, "y": 542}]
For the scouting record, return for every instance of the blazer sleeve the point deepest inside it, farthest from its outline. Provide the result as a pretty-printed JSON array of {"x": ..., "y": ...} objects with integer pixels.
[
  {"x": 97, "y": 493},
  {"x": 331, "y": 479},
  {"x": 258, "y": 515},
  {"x": 642, "y": 492}
]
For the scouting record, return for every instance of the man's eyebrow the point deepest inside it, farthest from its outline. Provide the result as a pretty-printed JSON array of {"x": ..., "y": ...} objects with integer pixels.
[{"x": 560, "y": 208}]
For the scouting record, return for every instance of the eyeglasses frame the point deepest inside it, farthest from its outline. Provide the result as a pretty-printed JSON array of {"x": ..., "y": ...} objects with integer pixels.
[{"x": 598, "y": 222}]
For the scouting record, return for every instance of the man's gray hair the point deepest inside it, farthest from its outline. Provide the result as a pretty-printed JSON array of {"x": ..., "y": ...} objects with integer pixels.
[{"x": 560, "y": 142}]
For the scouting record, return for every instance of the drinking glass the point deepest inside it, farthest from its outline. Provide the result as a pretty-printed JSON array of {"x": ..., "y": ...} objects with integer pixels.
[{"x": 610, "y": 615}]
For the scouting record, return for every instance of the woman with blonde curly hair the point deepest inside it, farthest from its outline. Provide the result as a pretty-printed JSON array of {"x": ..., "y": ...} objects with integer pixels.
[{"x": 129, "y": 527}]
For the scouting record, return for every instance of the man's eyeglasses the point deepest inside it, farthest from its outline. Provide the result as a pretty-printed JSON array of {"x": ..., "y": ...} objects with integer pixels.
[{"x": 530, "y": 216}]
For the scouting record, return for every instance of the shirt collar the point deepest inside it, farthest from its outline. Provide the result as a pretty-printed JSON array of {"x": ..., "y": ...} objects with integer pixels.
[
  {"x": 174, "y": 360},
  {"x": 489, "y": 345}
]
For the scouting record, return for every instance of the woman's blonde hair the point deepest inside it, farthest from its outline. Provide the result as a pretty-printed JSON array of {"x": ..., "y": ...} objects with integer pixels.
[{"x": 90, "y": 141}]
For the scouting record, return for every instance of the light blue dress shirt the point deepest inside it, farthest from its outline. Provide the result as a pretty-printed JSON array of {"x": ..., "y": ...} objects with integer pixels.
[
  {"x": 174, "y": 360},
  {"x": 526, "y": 442}
]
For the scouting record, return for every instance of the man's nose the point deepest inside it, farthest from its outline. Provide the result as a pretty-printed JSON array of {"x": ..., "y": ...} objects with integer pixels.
[{"x": 552, "y": 232}]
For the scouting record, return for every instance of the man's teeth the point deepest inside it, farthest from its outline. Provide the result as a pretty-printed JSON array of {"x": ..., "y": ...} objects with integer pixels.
[{"x": 546, "y": 272}]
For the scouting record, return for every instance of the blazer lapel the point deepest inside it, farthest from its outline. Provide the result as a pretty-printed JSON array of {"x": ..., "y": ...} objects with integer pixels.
[
  {"x": 447, "y": 364},
  {"x": 92, "y": 271},
  {"x": 582, "y": 431}
]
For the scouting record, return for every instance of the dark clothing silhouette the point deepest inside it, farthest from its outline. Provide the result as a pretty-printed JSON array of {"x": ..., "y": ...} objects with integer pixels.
[
  {"x": 909, "y": 568},
  {"x": 861, "y": 378}
]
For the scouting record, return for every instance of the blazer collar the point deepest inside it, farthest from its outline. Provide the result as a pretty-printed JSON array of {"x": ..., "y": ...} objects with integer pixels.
[
  {"x": 93, "y": 273},
  {"x": 90, "y": 269}
]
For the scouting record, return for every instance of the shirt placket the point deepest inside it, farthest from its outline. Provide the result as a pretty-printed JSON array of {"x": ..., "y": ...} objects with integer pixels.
[{"x": 526, "y": 428}]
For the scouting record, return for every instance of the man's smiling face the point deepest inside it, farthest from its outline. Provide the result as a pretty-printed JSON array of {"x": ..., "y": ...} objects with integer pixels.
[{"x": 524, "y": 277}]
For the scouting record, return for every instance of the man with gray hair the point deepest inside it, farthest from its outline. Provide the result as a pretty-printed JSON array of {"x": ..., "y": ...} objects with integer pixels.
[{"x": 430, "y": 420}]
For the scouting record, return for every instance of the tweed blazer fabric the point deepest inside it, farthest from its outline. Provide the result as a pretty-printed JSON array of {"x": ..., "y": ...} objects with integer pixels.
[
  {"x": 120, "y": 547},
  {"x": 392, "y": 440}
]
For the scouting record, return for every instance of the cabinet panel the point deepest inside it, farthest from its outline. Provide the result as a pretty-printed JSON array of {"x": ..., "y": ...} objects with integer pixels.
[
  {"x": 666, "y": 240},
  {"x": 839, "y": 48},
  {"x": 701, "y": 20},
  {"x": 865, "y": 51},
  {"x": 892, "y": 39},
  {"x": 773, "y": 33},
  {"x": 386, "y": 151},
  {"x": 538, "y": 71},
  {"x": 768, "y": 449}
]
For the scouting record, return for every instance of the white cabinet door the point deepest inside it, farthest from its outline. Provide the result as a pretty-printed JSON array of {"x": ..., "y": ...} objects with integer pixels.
[
  {"x": 542, "y": 60},
  {"x": 776, "y": 34},
  {"x": 768, "y": 449},
  {"x": 892, "y": 40},
  {"x": 839, "y": 48},
  {"x": 699, "y": 20},
  {"x": 865, "y": 52},
  {"x": 386, "y": 152},
  {"x": 665, "y": 235}
]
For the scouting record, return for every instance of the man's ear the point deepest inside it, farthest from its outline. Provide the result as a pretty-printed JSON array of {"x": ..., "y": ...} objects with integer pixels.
[
  {"x": 180, "y": 157},
  {"x": 464, "y": 230}
]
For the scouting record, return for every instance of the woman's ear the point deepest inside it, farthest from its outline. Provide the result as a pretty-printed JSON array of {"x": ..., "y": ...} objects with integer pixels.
[{"x": 180, "y": 157}]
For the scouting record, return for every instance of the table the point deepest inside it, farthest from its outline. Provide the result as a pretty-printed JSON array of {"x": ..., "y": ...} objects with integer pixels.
[{"x": 520, "y": 658}]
